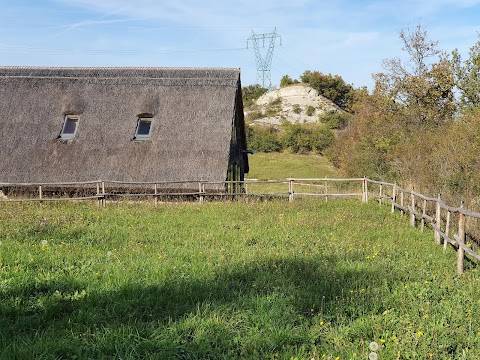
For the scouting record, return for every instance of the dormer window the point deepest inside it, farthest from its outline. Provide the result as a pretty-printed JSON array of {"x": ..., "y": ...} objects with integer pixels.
[
  {"x": 70, "y": 126},
  {"x": 144, "y": 128}
]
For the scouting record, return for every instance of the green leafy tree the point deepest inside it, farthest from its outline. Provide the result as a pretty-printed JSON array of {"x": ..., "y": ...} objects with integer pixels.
[
  {"x": 333, "y": 87},
  {"x": 251, "y": 93},
  {"x": 286, "y": 81},
  {"x": 467, "y": 76},
  {"x": 420, "y": 88}
]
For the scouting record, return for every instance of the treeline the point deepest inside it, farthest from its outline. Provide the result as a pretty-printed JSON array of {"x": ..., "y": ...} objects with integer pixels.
[
  {"x": 419, "y": 126},
  {"x": 295, "y": 138}
]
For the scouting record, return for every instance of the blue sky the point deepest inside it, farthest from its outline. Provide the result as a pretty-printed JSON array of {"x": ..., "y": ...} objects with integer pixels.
[{"x": 345, "y": 37}]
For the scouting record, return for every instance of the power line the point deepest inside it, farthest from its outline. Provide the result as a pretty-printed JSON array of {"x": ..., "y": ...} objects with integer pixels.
[
  {"x": 293, "y": 68},
  {"x": 60, "y": 51},
  {"x": 297, "y": 58}
]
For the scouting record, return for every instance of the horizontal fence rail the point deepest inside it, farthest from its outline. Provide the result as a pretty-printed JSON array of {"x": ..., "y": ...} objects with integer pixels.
[{"x": 451, "y": 225}]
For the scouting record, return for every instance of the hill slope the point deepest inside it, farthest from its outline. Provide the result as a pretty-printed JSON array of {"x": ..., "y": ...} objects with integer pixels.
[{"x": 296, "y": 104}]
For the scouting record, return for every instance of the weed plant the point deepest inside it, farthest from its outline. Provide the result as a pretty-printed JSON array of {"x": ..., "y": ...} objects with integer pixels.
[{"x": 245, "y": 280}]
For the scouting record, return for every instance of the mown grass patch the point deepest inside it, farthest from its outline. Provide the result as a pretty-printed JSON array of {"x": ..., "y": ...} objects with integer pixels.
[
  {"x": 270, "y": 280},
  {"x": 279, "y": 166}
]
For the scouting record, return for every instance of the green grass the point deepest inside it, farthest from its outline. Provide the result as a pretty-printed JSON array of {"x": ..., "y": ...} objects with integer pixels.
[
  {"x": 279, "y": 166},
  {"x": 251, "y": 280}
]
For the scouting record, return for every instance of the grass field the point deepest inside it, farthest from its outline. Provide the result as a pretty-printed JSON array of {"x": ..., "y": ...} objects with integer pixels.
[
  {"x": 251, "y": 280},
  {"x": 279, "y": 166}
]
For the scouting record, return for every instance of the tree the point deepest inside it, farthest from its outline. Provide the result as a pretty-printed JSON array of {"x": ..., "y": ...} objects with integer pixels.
[
  {"x": 333, "y": 87},
  {"x": 467, "y": 77},
  {"x": 420, "y": 88},
  {"x": 251, "y": 93},
  {"x": 286, "y": 81}
]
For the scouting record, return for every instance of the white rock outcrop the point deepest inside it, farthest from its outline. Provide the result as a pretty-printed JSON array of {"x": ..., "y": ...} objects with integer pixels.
[{"x": 292, "y": 104}]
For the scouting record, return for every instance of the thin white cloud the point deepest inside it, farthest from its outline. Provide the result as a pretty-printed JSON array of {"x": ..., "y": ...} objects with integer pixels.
[{"x": 88, "y": 23}]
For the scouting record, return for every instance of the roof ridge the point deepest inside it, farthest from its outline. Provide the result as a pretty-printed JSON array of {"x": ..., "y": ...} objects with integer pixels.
[{"x": 119, "y": 72}]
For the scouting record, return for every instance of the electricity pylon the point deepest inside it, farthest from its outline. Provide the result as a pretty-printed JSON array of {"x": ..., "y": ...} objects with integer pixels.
[{"x": 264, "y": 64}]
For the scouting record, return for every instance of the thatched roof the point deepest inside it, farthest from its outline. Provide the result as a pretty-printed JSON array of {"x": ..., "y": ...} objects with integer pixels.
[{"x": 193, "y": 110}]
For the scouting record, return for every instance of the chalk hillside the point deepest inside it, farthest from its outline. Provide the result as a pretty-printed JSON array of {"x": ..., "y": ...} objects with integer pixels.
[{"x": 297, "y": 103}]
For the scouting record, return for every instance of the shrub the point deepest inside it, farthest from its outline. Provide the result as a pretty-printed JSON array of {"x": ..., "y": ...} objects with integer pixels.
[
  {"x": 251, "y": 93},
  {"x": 285, "y": 81},
  {"x": 333, "y": 120},
  {"x": 297, "y": 109},
  {"x": 310, "y": 110},
  {"x": 304, "y": 138},
  {"x": 254, "y": 115},
  {"x": 322, "y": 138},
  {"x": 264, "y": 139},
  {"x": 273, "y": 107}
]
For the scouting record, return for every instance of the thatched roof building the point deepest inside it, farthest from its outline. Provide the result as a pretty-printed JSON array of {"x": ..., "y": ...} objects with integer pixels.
[{"x": 126, "y": 124}]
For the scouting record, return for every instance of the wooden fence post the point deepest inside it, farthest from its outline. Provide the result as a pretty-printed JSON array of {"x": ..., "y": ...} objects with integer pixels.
[
  {"x": 438, "y": 221},
  {"x": 326, "y": 190},
  {"x": 424, "y": 209},
  {"x": 155, "y": 189},
  {"x": 401, "y": 203},
  {"x": 290, "y": 190},
  {"x": 394, "y": 196},
  {"x": 412, "y": 213},
  {"x": 364, "y": 191},
  {"x": 447, "y": 231},
  {"x": 461, "y": 238},
  {"x": 40, "y": 193},
  {"x": 104, "y": 201},
  {"x": 380, "y": 195},
  {"x": 201, "y": 198},
  {"x": 99, "y": 200}
]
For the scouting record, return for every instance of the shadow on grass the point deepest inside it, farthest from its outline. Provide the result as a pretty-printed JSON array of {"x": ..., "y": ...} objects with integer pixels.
[{"x": 251, "y": 310}]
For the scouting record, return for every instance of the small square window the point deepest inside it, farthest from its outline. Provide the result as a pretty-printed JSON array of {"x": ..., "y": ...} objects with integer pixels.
[
  {"x": 144, "y": 128},
  {"x": 70, "y": 126}
]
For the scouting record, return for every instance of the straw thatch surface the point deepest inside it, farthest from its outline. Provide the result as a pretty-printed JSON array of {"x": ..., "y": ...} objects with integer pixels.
[{"x": 193, "y": 111}]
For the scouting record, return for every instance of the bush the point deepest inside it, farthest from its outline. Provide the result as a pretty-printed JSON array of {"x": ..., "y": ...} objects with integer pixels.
[
  {"x": 310, "y": 110},
  {"x": 333, "y": 120},
  {"x": 322, "y": 138},
  {"x": 297, "y": 138},
  {"x": 297, "y": 109},
  {"x": 254, "y": 115},
  {"x": 286, "y": 81},
  {"x": 264, "y": 139},
  {"x": 251, "y": 93},
  {"x": 304, "y": 138},
  {"x": 273, "y": 107}
]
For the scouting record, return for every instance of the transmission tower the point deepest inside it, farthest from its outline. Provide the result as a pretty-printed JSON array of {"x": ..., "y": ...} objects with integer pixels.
[{"x": 264, "y": 64}]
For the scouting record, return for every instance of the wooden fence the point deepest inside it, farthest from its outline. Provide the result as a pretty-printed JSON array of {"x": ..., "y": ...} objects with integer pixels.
[{"x": 449, "y": 223}]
